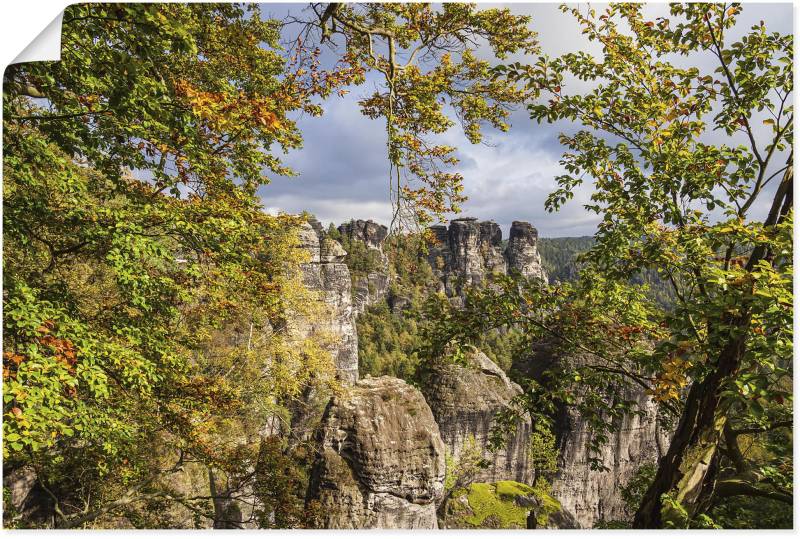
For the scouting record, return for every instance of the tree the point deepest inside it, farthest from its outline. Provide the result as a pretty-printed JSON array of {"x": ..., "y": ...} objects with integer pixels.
[
  {"x": 134, "y": 242},
  {"x": 425, "y": 57},
  {"x": 676, "y": 196}
]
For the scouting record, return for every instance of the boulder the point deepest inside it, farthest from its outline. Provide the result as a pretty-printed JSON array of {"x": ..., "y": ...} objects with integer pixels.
[
  {"x": 505, "y": 505},
  {"x": 381, "y": 460}
]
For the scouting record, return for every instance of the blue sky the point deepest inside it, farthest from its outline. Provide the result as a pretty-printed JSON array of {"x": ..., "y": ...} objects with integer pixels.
[{"x": 343, "y": 167}]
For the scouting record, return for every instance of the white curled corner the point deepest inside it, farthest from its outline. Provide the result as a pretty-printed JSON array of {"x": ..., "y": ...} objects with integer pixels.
[{"x": 46, "y": 46}]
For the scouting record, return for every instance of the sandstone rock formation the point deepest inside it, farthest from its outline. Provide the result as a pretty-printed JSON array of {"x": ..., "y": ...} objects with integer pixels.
[
  {"x": 369, "y": 232},
  {"x": 328, "y": 274},
  {"x": 505, "y": 505},
  {"x": 369, "y": 290},
  {"x": 373, "y": 287},
  {"x": 590, "y": 495},
  {"x": 594, "y": 496},
  {"x": 468, "y": 251},
  {"x": 522, "y": 252},
  {"x": 465, "y": 401},
  {"x": 381, "y": 459}
]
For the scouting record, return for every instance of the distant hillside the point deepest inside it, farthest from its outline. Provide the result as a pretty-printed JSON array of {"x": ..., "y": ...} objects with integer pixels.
[{"x": 558, "y": 258}]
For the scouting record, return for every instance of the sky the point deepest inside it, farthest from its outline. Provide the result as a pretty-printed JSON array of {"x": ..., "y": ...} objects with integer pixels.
[{"x": 343, "y": 169}]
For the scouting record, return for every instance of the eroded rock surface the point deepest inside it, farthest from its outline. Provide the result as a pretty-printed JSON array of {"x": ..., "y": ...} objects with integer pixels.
[
  {"x": 328, "y": 274},
  {"x": 371, "y": 288},
  {"x": 467, "y": 252},
  {"x": 369, "y": 232},
  {"x": 591, "y": 495},
  {"x": 465, "y": 400},
  {"x": 522, "y": 252},
  {"x": 381, "y": 459}
]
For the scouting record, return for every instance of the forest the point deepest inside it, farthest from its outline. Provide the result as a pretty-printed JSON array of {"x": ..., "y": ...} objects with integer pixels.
[{"x": 178, "y": 355}]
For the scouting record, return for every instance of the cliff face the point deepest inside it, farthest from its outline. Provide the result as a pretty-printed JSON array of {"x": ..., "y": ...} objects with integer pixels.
[
  {"x": 381, "y": 459},
  {"x": 468, "y": 251},
  {"x": 465, "y": 401},
  {"x": 596, "y": 495},
  {"x": 593, "y": 495},
  {"x": 374, "y": 286},
  {"x": 522, "y": 252},
  {"x": 328, "y": 274}
]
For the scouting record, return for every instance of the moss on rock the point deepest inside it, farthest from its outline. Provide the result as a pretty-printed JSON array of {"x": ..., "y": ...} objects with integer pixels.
[
  {"x": 495, "y": 503},
  {"x": 499, "y": 505}
]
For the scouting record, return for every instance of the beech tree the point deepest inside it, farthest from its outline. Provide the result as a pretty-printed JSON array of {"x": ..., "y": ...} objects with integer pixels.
[
  {"x": 132, "y": 237},
  {"x": 650, "y": 148},
  {"x": 146, "y": 294}
]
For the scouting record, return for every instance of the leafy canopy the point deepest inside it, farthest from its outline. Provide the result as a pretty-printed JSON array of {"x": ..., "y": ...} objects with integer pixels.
[{"x": 679, "y": 157}]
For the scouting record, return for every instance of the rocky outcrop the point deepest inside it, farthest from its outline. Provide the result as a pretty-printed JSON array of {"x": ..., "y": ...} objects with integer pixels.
[
  {"x": 368, "y": 232},
  {"x": 591, "y": 495},
  {"x": 465, "y": 400},
  {"x": 374, "y": 286},
  {"x": 475, "y": 249},
  {"x": 468, "y": 251},
  {"x": 505, "y": 505},
  {"x": 381, "y": 460},
  {"x": 522, "y": 252},
  {"x": 326, "y": 273}
]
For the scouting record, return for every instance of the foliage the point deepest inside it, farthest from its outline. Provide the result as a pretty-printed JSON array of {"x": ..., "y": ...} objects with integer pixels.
[
  {"x": 361, "y": 260},
  {"x": 559, "y": 256},
  {"x": 561, "y": 259},
  {"x": 635, "y": 489},
  {"x": 461, "y": 471},
  {"x": 391, "y": 333},
  {"x": 281, "y": 483},
  {"x": 543, "y": 451},
  {"x": 146, "y": 319},
  {"x": 389, "y": 338},
  {"x": 632, "y": 494},
  {"x": 493, "y": 505},
  {"x": 424, "y": 56}
]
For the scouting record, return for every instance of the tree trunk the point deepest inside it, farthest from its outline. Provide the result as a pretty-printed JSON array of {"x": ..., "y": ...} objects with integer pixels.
[
  {"x": 687, "y": 472},
  {"x": 684, "y": 471},
  {"x": 227, "y": 514}
]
